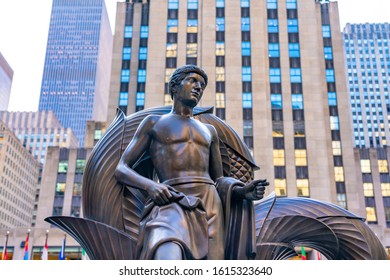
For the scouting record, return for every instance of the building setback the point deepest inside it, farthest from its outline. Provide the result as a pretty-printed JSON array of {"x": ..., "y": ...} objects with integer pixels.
[{"x": 75, "y": 80}]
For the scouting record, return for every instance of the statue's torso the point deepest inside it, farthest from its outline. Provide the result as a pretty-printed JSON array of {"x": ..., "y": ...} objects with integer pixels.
[{"x": 180, "y": 147}]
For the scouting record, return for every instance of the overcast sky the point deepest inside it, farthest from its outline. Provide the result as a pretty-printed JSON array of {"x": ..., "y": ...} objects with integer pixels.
[{"x": 24, "y": 27}]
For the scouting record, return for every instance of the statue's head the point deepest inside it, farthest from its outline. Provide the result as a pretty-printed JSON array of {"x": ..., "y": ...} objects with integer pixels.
[{"x": 180, "y": 73}]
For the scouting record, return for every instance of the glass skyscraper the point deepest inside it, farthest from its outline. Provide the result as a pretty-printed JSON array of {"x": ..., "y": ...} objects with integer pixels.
[
  {"x": 368, "y": 73},
  {"x": 75, "y": 81}
]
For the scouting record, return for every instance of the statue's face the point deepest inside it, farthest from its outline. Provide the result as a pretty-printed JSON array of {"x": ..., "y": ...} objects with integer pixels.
[{"x": 190, "y": 89}]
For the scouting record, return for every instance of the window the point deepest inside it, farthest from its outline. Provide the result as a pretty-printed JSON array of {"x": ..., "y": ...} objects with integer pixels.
[
  {"x": 385, "y": 187},
  {"x": 280, "y": 187},
  {"x": 192, "y": 25},
  {"x": 245, "y": 24},
  {"x": 192, "y": 4},
  {"x": 273, "y": 50},
  {"x": 247, "y": 100},
  {"x": 295, "y": 75},
  {"x": 246, "y": 48},
  {"x": 272, "y": 26},
  {"x": 371, "y": 214},
  {"x": 173, "y": 4},
  {"x": 246, "y": 74},
  {"x": 297, "y": 101},
  {"x": 220, "y": 24},
  {"x": 326, "y": 31},
  {"x": 383, "y": 166},
  {"x": 220, "y": 48},
  {"x": 330, "y": 75},
  {"x": 140, "y": 99},
  {"x": 328, "y": 53},
  {"x": 62, "y": 167},
  {"x": 123, "y": 98},
  {"x": 276, "y": 101},
  {"x": 339, "y": 173},
  {"x": 365, "y": 166},
  {"x": 143, "y": 52},
  {"x": 278, "y": 157},
  {"x": 172, "y": 26},
  {"x": 272, "y": 4},
  {"x": 244, "y": 3},
  {"x": 220, "y": 3},
  {"x": 192, "y": 50},
  {"x": 300, "y": 158},
  {"x": 60, "y": 188},
  {"x": 144, "y": 31},
  {"x": 171, "y": 50},
  {"x": 332, "y": 99},
  {"x": 292, "y": 26},
  {"x": 141, "y": 75},
  {"x": 220, "y": 100},
  {"x": 334, "y": 123},
  {"x": 125, "y": 76},
  {"x": 336, "y": 148},
  {"x": 80, "y": 165},
  {"x": 303, "y": 187},
  {"x": 274, "y": 74},
  {"x": 126, "y": 53},
  {"x": 98, "y": 132},
  {"x": 368, "y": 189},
  {"x": 128, "y": 32},
  {"x": 293, "y": 50},
  {"x": 220, "y": 74},
  {"x": 291, "y": 4}
]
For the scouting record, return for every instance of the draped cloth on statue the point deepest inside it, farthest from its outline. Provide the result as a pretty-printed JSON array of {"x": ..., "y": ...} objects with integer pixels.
[{"x": 195, "y": 220}]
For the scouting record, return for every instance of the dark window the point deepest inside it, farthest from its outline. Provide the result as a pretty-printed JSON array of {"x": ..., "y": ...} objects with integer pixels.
[
  {"x": 172, "y": 13},
  {"x": 280, "y": 172},
  {"x": 273, "y": 37},
  {"x": 220, "y": 12},
  {"x": 340, "y": 187},
  {"x": 143, "y": 42},
  {"x": 295, "y": 62},
  {"x": 141, "y": 87},
  {"x": 124, "y": 87},
  {"x": 335, "y": 135},
  {"x": 302, "y": 172},
  {"x": 192, "y": 14},
  {"x": 192, "y": 37},
  {"x": 220, "y": 61},
  {"x": 246, "y": 87},
  {"x": 249, "y": 141},
  {"x": 276, "y": 87},
  {"x": 333, "y": 111},
  {"x": 278, "y": 143},
  {"x": 293, "y": 38},
  {"x": 220, "y": 112},
  {"x": 171, "y": 37},
  {"x": 170, "y": 62},
  {"x": 245, "y": 12},
  {"x": 331, "y": 87},
  {"x": 220, "y": 86},
  {"x": 247, "y": 114},
  {"x": 329, "y": 64},
  {"x": 127, "y": 42},
  {"x": 277, "y": 115},
  {"x": 338, "y": 160},
  {"x": 246, "y": 61},
  {"x": 367, "y": 178},
  {"x": 292, "y": 13},
  {"x": 274, "y": 62},
  {"x": 245, "y": 36},
  {"x": 299, "y": 143},
  {"x": 272, "y": 13},
  {"x": 296, "y": 88},
  {"x": 125, "y": 64},
  {"x": 220, "y": 36},
  {"x": 191, "y": 60},
  {"x": 327, "y": 42},
  {"x": 142, "y": 64},
  {"x": 298, "y": 115}
]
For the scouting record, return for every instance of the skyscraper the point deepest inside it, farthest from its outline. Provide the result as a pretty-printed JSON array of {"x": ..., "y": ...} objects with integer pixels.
[
  {"x": 368, "y": 62},
  {"x": 6, "y": 76},
  {"x": 76, "y": 74}
]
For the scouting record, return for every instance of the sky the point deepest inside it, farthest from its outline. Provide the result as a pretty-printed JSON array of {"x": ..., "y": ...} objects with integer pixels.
[{"x": 24, "y": 26}]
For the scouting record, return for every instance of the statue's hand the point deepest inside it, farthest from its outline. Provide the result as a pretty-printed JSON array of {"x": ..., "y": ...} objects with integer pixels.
[
  {"x": 160, "y": 194},
  {"x": 252, "y": 191}
]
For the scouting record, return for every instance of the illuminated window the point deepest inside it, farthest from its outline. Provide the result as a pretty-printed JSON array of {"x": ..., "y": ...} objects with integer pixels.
[
  {"x": 80, "y": 164},
  {"x": 272, "y": 4},
  {"x": 168, "y": 73},
  {"x": 192, "y": 4},
  {"x": 330, "y": 75},
  {"x": 77, "y": 189},
  {"x": 293, "y": 49},
  {"x": 220, "y": 24},
  {"x": 272, "y": 25},
  {"x": 332, "y": 99},
  {"x": 246, "y": 48},
  {"x": 326, "y": 31},
  {"x": 246, "y": 74},
  {"x": 220, "y": 74},
  {"x": 328, "y": 53},
  {"x": 220, "y": 3},
  {"x": 247, "y": 100},
  {"x": 128, "y": 32},
  {"x": 140, "y": 99},
  {"x": 273, "y": 50},
  {"x": 295, "y": 75},
  {"x": 371, "y": 214},
  {"x": 336, "y": 148},
  {"x": 220, "y": 100},
  {"x": 279, "y": 157},
  {"x": 192, "y": 50},
  {"x": 98, "y": 133},
  {"x": 126, "y": 53},
  {"x": 277, "y": 133},
  {"x": 141, "y": 75},
  {"x": 303, "y": 187},
  {"x": 292, "y": 26},
  {"x": 125, "y": 76},
  {"x": 220, "y": 48},
  {"x": 280, "y": 187},
  {"x": 297, "y": 101},
  {"x": 143, "y": 52},
  {"x": 245, "y": 24},
  {"x": 171, "y": 50},
  {"x": 167, "y": 100},
  {"x": 365, "y": 166},
  {"x": 62, "y": 167},
  {"x": 192, "y": 26},
  {"x": 334, "y": 123},
  {"x": 274, "y": 75},
  {"x": 172, "y": 26},
  {"x": 368, "y": 189},
  {"x": 144, "y": 31},
  {"x": 385, "y": 189},
  {"x": 300, "y": 158},
  {"x": 291, "y": 4},
  {"x": 383, "y": 166},
  {"x": 60, "y": 188},
  {"x": 173, "y": 4},
  {"x": 276, "y": 101},
  {"x": 339, "y": 173},
  {"x": 342, "y": 200}
]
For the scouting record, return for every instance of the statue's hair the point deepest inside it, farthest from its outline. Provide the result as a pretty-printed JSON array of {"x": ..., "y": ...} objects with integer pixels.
[{"x": 181, "y": 72}]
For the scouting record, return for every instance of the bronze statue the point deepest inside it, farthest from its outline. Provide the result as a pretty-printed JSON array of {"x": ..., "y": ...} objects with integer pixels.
[{"x": 178, "y": 183}]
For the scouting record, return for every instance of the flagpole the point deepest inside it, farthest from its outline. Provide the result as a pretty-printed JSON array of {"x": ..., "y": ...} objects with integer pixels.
[
  {"x": 5, "y": 251},
  {"x": 45, "y": 251}
]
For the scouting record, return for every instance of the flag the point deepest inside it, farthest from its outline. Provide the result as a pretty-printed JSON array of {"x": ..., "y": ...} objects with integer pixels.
[
  {"x": 318, "y": 255},
  {"x": 303, "y": 253},
  {"x": 61, "y": 256},
  {"x": 26, "y": 246},
  {"x": 45, "y": 252},
  {"x": 4, "y": 256},
  {"x": 83, "y": 254}
]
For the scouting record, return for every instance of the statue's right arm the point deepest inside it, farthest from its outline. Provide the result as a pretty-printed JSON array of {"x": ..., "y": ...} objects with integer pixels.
[{"x": 124, "y": 172}]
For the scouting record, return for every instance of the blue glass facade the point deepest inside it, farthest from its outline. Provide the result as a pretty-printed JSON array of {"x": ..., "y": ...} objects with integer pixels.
[{"x": 70, "y": 77}]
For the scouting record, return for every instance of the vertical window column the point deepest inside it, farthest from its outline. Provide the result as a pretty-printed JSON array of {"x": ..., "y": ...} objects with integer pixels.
[
  {"x": 192, "y": 32},
  {"x": 220, "y": 59}
]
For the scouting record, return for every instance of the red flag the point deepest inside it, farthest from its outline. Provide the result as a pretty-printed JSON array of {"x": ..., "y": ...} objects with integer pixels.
[
  {"x": 26, "y": 246},
  {"x": 303, "y": 252},
  {"x": 45, "y": 252},
  {"x": 4, "y": 256}
]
